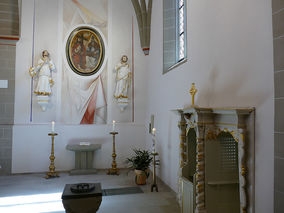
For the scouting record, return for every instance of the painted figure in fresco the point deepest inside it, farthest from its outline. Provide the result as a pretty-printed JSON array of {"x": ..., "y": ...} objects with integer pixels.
[
  {"x": 76, "y": 51},
  {"x": 79, "y": 53},
  {"x": 123, "y": 74},
  {"x": 44, "y": 70},
  {"x": 93, "y": 52}
]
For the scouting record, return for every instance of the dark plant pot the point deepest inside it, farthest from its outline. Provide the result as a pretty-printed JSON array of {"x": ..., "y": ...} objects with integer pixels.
[{"x": 141, "y": 177}]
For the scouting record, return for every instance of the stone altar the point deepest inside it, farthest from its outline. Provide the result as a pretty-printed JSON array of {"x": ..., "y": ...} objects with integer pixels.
[{"x": 84, "y": 155}]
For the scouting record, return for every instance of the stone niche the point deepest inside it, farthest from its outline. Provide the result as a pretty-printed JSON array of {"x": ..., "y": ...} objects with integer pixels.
[{"x": 216, "y": 160}]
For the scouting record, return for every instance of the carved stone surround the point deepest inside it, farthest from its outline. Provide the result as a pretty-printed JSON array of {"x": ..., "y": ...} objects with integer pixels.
[{"x": 208, "y": 123}]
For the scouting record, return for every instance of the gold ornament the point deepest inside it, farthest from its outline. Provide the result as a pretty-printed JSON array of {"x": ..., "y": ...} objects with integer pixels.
[{"x": 192, "y": 92}]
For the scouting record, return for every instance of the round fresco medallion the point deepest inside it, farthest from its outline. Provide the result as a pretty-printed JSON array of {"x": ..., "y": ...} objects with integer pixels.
[{"x": 85, "y": 51}]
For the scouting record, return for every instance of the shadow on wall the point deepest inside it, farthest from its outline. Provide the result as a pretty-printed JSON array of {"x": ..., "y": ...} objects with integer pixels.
[
  {"x": 169, "y": 146},
  {"x": 231, "y": 91}
]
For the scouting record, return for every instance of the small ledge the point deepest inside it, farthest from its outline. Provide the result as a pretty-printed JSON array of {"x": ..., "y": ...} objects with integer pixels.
[
  {"x": 186, "y": 180},
  {"x": 9, "y": 39},
  {"x": 222, "y": 182},
  {"x": 176, "y": 65}
]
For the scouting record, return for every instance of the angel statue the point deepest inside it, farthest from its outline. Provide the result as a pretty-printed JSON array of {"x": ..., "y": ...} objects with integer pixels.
[
  {"x": 43, "y": 70},
  {"x": 123, "y": 76}
]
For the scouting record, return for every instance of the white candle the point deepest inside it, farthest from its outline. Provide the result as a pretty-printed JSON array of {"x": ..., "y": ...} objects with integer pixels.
[
  {"x": 113, "y": 125},
  {"x": 52, "y": 126},
  {"x": 154, "y": 131}
]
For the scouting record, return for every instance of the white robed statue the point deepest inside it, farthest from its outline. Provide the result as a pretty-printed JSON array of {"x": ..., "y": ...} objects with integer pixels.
[
  {"x": 123, "y": 76},
  {"x": 43, "y": 70}
]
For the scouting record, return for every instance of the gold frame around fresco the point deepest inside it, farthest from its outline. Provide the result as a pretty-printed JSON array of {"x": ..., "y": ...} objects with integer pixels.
[{"x": 85, "y": 51}]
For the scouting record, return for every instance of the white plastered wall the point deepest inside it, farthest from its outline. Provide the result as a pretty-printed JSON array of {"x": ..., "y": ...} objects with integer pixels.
[
  {"x": 230, "y": 59},
  {"x": 31, "y": 144}
]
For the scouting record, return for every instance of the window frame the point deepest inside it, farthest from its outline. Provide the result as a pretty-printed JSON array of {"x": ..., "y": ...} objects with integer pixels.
[
  {"x": 179, "y": 33},
  {"x": 178, "y": 60}
]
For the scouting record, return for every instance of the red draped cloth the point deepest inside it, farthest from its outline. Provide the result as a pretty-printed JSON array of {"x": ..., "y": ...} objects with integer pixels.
[{"x": 89, "y": 115}]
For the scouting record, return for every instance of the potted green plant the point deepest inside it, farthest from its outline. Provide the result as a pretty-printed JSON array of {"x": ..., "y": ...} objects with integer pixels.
[{"x": 140, "y": 162}]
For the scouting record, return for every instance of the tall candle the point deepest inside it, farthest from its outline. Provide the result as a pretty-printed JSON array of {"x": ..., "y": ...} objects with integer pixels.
[
  {"x": 154, "y": 140},
  {"x": 113, "y": 125},
  {"x": 52, "y": 126}
]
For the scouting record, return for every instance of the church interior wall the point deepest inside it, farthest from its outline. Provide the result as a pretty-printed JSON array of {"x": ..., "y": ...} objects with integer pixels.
[
  {"x": 278, "y": 43},
  {"x": 9, "y": 23},
  {"x": 39, "y": 145},
  {"x": 9, "y": 28},
  {"x": 31, "y": 136},
  {"x": 230, "y": 60},
  {"x": 7, "y": 91}
]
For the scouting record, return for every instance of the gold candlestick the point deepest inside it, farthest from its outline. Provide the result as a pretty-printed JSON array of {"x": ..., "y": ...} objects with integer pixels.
[
  {"x": 154, "y": 185},
  {"x": 192, "y": 92},
  {"x": 52, "y": 172},
  {"x": 113, "y": 170}
]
